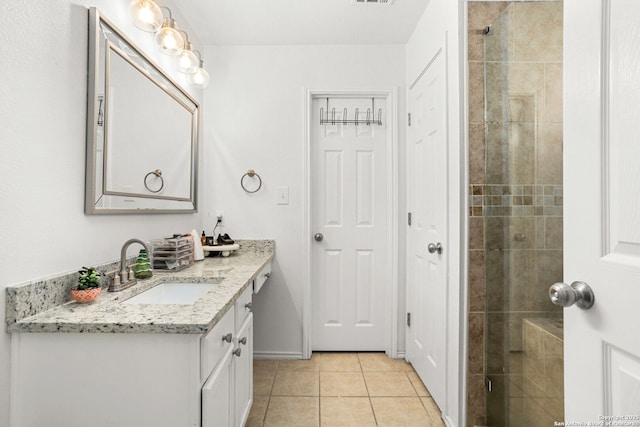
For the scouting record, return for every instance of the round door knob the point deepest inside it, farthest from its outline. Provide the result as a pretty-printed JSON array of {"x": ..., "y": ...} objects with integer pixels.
[
  {"x": 237, "y": 352},
  {"x": 248, "y": 306},
  {"x": 243, "y": 340},
  {"x": 227, "y": 338},
  {"x": 435, "y": 248},
  {"x": 578, "y": 293},
  {"x": 319, "y": 237}
]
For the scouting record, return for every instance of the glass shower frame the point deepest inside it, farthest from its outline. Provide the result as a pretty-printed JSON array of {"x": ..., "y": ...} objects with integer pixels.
[{"x": 522, "y": 215}]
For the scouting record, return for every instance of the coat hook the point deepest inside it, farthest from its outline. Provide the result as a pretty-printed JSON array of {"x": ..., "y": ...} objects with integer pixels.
[{"x": 369, "y": 120}]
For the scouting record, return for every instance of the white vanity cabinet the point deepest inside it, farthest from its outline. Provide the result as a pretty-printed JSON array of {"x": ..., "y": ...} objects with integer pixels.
[
  {"x": 227, "y": 394},
  {"x": 243, "y": 358},
  {"x": 132, "y": 380}
]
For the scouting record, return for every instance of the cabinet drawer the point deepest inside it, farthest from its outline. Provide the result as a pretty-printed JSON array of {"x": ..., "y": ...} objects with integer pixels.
[
  {"x": 243, "y": 307},
  {"x": 213, "y": 345},
  {"x": 262, "y": 277}
]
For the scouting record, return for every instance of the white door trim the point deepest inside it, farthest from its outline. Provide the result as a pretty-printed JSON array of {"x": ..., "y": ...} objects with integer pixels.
[{"x": 391, "y": 97}]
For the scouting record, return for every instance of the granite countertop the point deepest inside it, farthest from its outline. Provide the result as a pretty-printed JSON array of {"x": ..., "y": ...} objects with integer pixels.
[{"x": 108, "y": 315}]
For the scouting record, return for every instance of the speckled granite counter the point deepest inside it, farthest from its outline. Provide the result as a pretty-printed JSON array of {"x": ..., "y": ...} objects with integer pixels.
[{"x": 108, "y": 315}]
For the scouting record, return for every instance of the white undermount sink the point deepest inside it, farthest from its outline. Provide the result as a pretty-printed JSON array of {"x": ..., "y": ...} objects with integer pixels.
[{"x": 172, "y": 293}]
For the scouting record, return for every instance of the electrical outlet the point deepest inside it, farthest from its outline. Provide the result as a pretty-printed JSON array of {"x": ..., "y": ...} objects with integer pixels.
[{"x": 220, "y": 218}]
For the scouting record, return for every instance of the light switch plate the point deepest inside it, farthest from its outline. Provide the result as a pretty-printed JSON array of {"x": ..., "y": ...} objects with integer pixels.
[{"x": 283, "y": 195}]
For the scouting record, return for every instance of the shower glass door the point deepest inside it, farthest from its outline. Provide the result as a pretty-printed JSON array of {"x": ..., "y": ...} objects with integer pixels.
[{"x": 522, "y": 212}]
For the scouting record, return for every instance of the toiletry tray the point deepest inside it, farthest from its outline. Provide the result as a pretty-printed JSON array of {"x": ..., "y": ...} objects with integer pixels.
[
  {"x": 224, "y": 250},
  {"x": 175, "y": 253}
]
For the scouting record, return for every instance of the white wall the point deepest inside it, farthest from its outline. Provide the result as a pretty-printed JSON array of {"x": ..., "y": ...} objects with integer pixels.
[
  {"x": 43, "y": 230},
  {"x": 441, "y": 24},
  {"x": 255, "y": 119}
]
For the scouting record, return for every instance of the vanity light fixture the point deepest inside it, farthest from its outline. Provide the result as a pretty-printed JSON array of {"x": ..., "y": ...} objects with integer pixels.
[
  {"x": 168, "y": 38},
  {"x": 188, "y": 61},
  {"x": 201, "y": 77},
  {"x": 146, "y": 15}
]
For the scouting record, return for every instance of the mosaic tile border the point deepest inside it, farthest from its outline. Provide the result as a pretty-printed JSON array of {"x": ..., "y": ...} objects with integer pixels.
[{"x": 495, "y": 200}]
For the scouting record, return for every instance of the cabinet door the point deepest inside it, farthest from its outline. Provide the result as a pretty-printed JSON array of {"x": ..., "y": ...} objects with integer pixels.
[
  {"x": 217, "y": 392},
  {"x": 244, "y": 371}
]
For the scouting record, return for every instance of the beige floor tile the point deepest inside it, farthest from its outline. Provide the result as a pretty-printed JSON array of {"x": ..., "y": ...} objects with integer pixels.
[
  {"x": 258, "y": 411},
  {"x": 338, "y": 362},
  {"x": 299, "y": 365},
  {"x": 296, "y": 383},
  {"x": 286, "y": 393},
  {"x": 400, "y": 411},
  {"x": 433, "y": 411},
  {"x": 382, "y": 362},
  {"x": 263, "y": 382},
  {"x": 342, "y": 384},
  {"x": 346, "y": 412},
  {"x": 293, "y": 412},
  {"x": 418, "y": 385},
  {"x": 265, "y": 366},
  {"x": 389, "y": 384}
]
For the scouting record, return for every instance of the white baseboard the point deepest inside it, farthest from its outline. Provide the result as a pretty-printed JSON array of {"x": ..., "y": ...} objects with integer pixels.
[{"x": 285, "y": 355}]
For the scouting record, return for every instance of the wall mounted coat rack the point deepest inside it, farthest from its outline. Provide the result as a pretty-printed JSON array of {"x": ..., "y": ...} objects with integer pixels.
[{"x": 370, "y": 119}]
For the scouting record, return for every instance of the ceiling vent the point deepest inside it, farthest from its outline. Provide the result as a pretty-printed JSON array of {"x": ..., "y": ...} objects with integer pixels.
[{"x": 372, "y": 1}]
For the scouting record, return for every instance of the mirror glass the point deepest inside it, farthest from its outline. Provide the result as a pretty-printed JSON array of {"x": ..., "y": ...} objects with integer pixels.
[{"x": 142, "y": 133}]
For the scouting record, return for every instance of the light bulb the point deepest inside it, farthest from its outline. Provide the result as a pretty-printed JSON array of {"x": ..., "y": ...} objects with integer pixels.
[
  {"x": 200, "y": 78},
  {"x": 146, "y": 15},
  {"x": 188, "y": 62},
  {"x": 169, "y": 39}
]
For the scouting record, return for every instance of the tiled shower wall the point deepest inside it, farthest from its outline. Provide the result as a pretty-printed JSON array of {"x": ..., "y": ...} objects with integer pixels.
[{"x": 515, "y": 194}]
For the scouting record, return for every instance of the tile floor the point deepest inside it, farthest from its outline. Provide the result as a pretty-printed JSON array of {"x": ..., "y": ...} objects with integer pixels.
[{"x": 340, "y": 389}]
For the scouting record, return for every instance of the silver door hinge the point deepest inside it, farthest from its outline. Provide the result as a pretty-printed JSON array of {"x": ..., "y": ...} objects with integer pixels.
[
  {"x": 409, "y": 119},
  {"x": 409, "y": 319},
  {"x": 409, "y": 218}
]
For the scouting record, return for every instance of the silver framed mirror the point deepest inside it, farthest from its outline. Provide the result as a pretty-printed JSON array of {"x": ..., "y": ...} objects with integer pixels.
[{"x": 142, "y": 130}]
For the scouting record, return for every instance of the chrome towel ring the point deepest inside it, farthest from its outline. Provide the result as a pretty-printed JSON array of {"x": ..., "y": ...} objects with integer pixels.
[
  {"x": 157, "y": 173},
  {"x": 251, "y": 174}
]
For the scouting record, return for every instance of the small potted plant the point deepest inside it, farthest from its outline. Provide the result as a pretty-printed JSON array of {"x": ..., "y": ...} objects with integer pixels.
[{"x": 88, "y": 287}]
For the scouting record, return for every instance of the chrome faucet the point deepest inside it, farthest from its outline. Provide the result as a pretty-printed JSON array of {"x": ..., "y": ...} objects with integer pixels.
[{"x": 125, "y": 281}]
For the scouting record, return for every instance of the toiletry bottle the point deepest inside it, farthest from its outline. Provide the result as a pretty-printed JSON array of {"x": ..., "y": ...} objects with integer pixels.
[{"x": 203, "y": 239}]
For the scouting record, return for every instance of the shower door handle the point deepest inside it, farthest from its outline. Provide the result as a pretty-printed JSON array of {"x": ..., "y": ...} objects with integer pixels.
[
  {"x": 566, "y": 295},
  {"x": 433, "y": 248}
]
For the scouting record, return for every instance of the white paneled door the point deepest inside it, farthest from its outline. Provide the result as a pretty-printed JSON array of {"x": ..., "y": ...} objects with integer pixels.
[
  {"x": 349, "y": 227},
  {"x": 602, "y": 210},
  {"x": 426, "y": 234}
]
